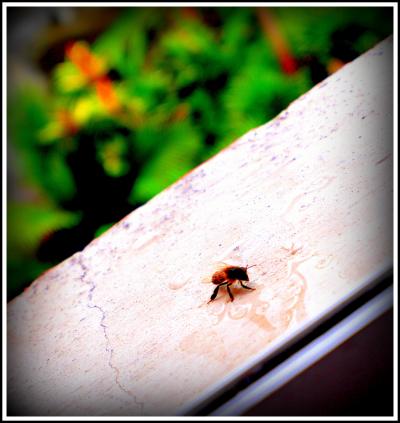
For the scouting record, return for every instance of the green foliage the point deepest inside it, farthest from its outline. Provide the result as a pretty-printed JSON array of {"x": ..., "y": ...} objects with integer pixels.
[
  {"x": 124, "y": 44},
  {"x": 179, "y": 143},
  {"x": 28, "y": 223},
  {"x": 112, "y": 155},
  {"x": 309, "y": 29},
  {"x": 68, "y": 80},
  {"x": 103, "y": 228},
  {"x": 254, "y": 98},
  {"x": 29, "y": 115},
  {"x": 156, "y": 93}
]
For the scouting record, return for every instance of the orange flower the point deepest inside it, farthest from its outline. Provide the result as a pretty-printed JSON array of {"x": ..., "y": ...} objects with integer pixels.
[
  {"x": 90, "y": 65},
  {"x": 106, "y": 93},
  {"x": 95, "y": 71}
]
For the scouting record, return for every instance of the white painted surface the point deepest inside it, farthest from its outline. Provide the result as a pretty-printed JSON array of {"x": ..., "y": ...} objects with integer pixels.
[{"x": 123, "y": 328}]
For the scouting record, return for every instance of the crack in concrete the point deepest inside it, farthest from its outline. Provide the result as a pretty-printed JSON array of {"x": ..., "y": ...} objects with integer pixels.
[{"x": 109, "y": 349}]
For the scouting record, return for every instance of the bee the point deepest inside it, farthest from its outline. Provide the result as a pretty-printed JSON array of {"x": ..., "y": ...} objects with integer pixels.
[{"x": 227, "y": 276}]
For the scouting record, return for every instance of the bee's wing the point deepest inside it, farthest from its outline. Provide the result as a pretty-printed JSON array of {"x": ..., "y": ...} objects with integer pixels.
[
  {"x": 206, "y": 279},
  {"x": 219, "y": 265}
]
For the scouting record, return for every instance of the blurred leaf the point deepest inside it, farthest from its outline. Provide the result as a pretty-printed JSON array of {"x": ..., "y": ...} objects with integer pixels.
[
  {"x": 21, "y": 271},
  {"x": 27, "y": 224},
  {"x": 51, "y": 133},
  {"x": 189, "y": 39},
  {"x": 366, "y": 41},
  {"x": 28, "y": 113},
  {"x": 148, "y": 139},
  {"x": 254, "y": 97},
  {"x": 236, "y": 30},
  {"x": 68, "y": 79},
  {"x": 88, "y": 108},
  {"x": 124, "y": 45},
  {"x": 27, "y": 117},
  {"x": 112, "y": 155},
  {"x": 203, "y": 106},
  {"x": 57, "y": 177},
  {"x": 190, "y": 52},
  {"x": 181, "y": 144},
  {"x": 103, "y": 228},
  {"x": 150, "y": 87}
]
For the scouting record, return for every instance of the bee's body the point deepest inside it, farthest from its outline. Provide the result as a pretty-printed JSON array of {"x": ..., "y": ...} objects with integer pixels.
[
  {"x": 227, "y": 276},
  {"x": 219, "y": 277}
]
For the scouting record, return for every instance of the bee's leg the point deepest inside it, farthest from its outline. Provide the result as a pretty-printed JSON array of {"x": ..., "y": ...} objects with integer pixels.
[
  {"x": 245, "y": 286},
  {"x": 214, "y": 294},
  {"x": 229, "y": 292}
]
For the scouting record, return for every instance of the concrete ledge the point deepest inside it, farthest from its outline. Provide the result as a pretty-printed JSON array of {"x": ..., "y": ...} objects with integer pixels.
[{"x": 123, "y": 328}]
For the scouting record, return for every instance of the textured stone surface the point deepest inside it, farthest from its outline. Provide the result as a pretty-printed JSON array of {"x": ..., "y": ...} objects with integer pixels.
[{"x": 124, "y": 328}]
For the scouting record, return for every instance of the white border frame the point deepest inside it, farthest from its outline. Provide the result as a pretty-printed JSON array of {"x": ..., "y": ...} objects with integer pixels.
[{"x": 199, "y": 4}]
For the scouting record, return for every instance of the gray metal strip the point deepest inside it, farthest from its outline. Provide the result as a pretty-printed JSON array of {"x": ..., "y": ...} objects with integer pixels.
[{"x": 307, "y": 356}]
